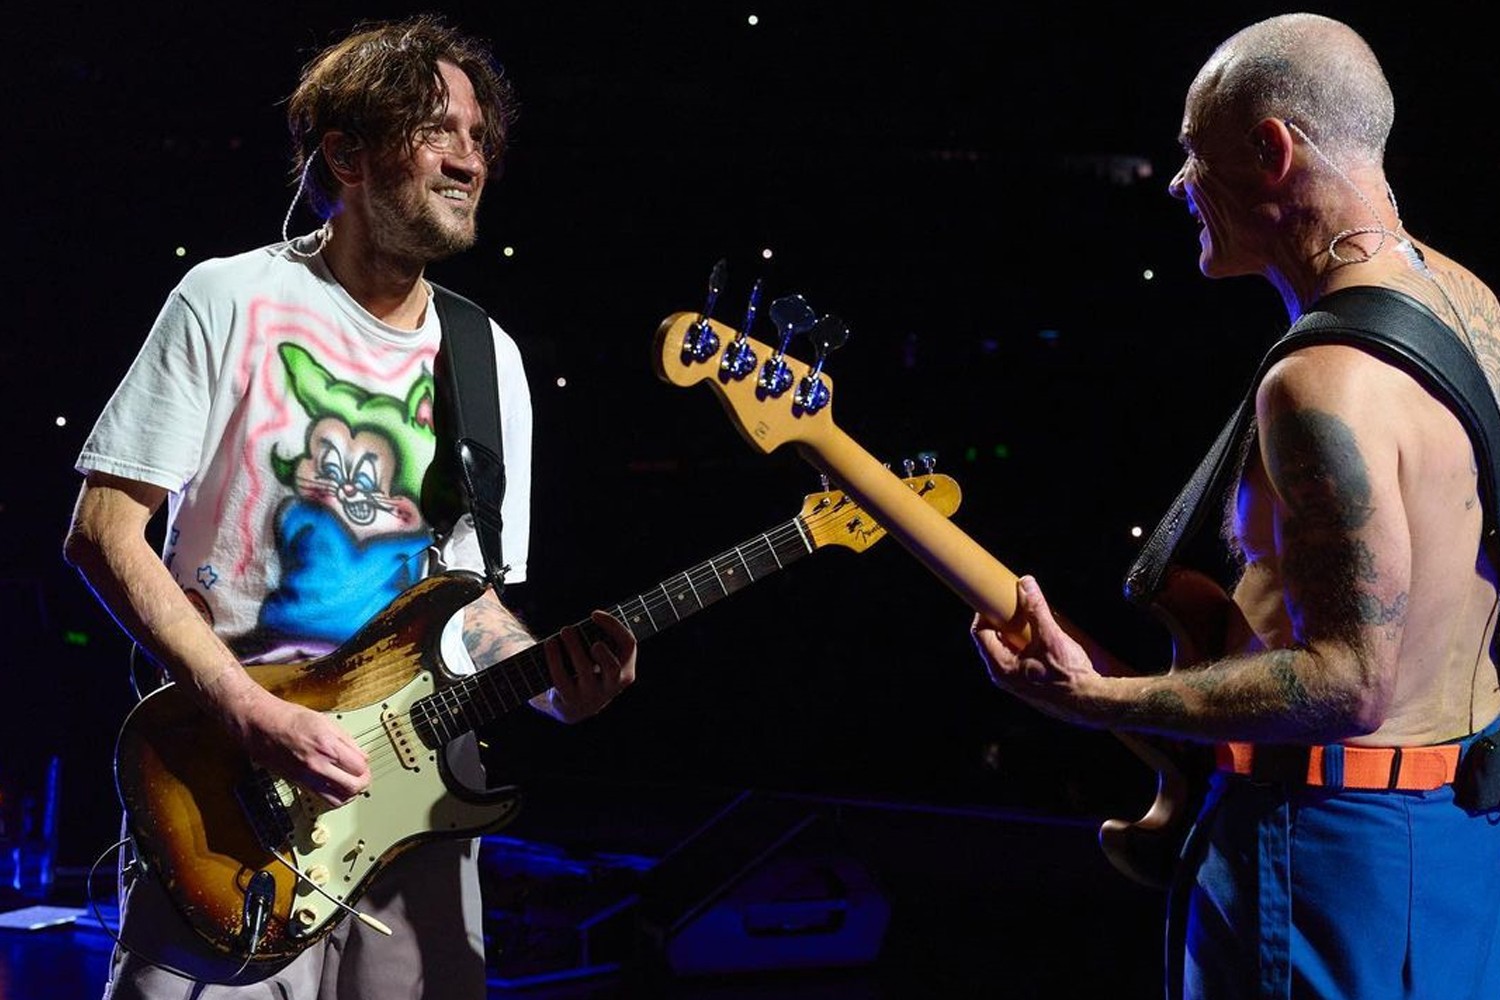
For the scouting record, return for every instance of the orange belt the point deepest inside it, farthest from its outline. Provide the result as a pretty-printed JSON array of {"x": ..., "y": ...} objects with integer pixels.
[{"x": 1338, "y": 766}]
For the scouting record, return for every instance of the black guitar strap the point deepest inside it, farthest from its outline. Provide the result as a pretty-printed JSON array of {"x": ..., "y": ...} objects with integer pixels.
[
  {"x": 468, "y": 423},
  {"x": 1388, "y": 324}
]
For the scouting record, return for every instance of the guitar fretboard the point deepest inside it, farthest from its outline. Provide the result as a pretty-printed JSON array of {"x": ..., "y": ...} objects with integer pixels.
[{"x": 483, "y": 697}]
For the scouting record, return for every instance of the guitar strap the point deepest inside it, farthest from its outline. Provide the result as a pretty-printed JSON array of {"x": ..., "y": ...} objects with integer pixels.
[
  {"x": 1392, "y": 326},
  {"x": 467, "y": 421}
]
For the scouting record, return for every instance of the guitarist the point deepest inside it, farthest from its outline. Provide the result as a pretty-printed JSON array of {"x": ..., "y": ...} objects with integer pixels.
[
  {"x": 1349, "y": 845},
  {"x": 282, "y": 407}
]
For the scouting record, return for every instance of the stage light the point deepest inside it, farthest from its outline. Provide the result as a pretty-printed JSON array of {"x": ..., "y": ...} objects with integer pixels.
[
  {"x": 753, "y": 20},
  {"x": 75, "y": 637},
  {"x": 562, "y": 381},
  {"x": 62, "y": 421},
  {"x": 181, "y": 251},
  {"x": 766, "y": 253},
  {"x": 1136, "y": 532},
  {"x": 1148, "y": 274},
  {"x": 509, "y": 251}
]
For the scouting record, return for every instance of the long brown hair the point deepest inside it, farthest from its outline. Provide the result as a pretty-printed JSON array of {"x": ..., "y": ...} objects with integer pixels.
[{"x": 380, "y": 85}]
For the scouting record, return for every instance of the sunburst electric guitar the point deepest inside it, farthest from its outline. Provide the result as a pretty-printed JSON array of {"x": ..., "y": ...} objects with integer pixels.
[
  {"x": 773, "y": 399},
  {"x": 261, "y": 869}
]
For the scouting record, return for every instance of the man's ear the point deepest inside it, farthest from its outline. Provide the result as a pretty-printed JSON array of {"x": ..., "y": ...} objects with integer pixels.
[
  {"x": 1274, "y": 148},
  {"x": 340, "y": 151}
]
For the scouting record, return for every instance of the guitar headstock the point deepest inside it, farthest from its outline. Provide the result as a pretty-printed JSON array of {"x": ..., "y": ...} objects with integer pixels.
[
  {"x": 834, "y": 518},
  {"x": 772, "y": 397}
]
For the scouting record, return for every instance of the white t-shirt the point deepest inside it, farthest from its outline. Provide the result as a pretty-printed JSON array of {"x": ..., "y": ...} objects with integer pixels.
[{"x": 293, "y": 430}]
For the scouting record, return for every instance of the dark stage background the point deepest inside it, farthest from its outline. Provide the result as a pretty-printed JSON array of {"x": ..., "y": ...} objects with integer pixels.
[{"x": 977, "y": 189}]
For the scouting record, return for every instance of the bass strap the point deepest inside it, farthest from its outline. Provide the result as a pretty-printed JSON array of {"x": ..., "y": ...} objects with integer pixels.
[
  {"x": 468, "y": 421},
  {"x": 1394, "y": 327}
]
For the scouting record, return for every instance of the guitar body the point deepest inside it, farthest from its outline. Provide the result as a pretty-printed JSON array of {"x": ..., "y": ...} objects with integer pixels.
[
  {"x": 1198, "y": 615},
  {"x": 207, "y": 821},
  {"x": 195, "y": 802}
]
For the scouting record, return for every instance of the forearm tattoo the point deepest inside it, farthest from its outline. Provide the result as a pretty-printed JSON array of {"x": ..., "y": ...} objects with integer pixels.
[
  {"x": 1237, "y": 692},
  {"x": 492, "y": 632},
  {"x": 1282, "y": 666}
]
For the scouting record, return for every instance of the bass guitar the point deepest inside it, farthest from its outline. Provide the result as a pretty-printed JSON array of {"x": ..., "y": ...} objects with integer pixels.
[
  {"x": 261, "y": 869},
  {"x": 774, "y": 399}
]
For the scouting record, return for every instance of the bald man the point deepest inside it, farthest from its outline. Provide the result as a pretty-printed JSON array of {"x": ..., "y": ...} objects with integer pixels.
[{"x": 1324, "y": 862}]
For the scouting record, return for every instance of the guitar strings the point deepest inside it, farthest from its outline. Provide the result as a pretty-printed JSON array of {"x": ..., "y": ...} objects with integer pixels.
[{"x": 385, "y": 758}]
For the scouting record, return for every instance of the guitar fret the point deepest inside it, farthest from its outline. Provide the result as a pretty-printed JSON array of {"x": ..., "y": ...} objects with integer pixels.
[
  {"x": 654, "y": 627},
  {"x": 484, "y": 693},
  {"x": 511, "y": 695},
  {"x": 453, "y": 712},
  {"x": 802, "y": 532},
  {"x": 719, "y": 579},
  {"x": 638, "y": 621},
  {"x": 440, "y": 719},
  {"x": 670, "y": 603},
  {"x": 535, "y": 673},
  {"x": 743, "y": 563},
  {"x": 773, "y": 551},
  {"x": 689, "y": 578}
]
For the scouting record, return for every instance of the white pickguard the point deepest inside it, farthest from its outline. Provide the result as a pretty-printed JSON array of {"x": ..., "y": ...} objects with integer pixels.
[{"x": 340, "y": 848}]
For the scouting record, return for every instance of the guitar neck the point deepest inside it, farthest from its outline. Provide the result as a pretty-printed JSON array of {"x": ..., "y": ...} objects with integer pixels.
[
  {"x": 984, "y": 583},
  {"x": 483, "y": 697}
]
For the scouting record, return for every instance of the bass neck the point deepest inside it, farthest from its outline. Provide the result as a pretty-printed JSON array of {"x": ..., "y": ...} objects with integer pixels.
[{"x": 984, "y": 583}]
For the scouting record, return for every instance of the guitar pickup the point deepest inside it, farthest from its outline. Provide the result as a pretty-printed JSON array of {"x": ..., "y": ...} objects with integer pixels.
[{"x": 403, "y": 737}]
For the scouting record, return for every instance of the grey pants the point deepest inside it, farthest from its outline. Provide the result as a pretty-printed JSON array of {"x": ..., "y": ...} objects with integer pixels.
[{"x": 429, "y": 897}]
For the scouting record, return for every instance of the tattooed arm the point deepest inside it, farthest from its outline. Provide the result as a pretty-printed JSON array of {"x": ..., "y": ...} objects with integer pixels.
[
  {"x": 1330, "y": 451},
  {"x": 492, "y": 632},
  {"x": 584, "y": 678}
]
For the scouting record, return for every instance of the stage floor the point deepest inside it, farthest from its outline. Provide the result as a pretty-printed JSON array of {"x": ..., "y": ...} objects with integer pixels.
[{"x": 600, "y": 892}]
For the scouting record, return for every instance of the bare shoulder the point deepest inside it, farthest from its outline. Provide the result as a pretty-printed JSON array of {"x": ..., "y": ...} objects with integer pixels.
[
  {"x": 1467, "y": 304},
  {"x": 1324, "y": 377}
]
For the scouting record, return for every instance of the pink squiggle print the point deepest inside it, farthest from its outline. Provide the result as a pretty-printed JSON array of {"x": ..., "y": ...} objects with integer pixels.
[{"x": 259, "y": 379}]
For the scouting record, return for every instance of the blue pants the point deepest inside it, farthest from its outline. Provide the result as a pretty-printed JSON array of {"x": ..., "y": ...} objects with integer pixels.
[{"x": 1338, "y": 894}]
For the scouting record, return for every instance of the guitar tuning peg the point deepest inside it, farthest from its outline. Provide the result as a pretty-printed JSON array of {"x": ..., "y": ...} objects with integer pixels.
[
  {"x": 739, "y": 357},
  {"x": 715, "y": 285},
  {"x": 701, "y": 342},
  {"x": 929, "y": 461},
  {"x": 791, "y": 315},
  {"x": 823, "y": 479},
  {"x": 827, "y": 335},
  {"x": 909, "y": 466}
]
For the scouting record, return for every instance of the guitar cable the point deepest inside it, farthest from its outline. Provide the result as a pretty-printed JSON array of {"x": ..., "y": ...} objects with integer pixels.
[
  {"x": 257, "y": 909},
  {"x": 136, "y": 866}
]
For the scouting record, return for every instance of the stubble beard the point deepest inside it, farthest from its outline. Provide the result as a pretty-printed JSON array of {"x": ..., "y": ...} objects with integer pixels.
[{"x": 405, "y": 224}]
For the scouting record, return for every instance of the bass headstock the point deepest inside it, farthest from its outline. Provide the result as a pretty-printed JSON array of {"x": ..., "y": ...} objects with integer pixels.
[{"x": 772, "y": 397}]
